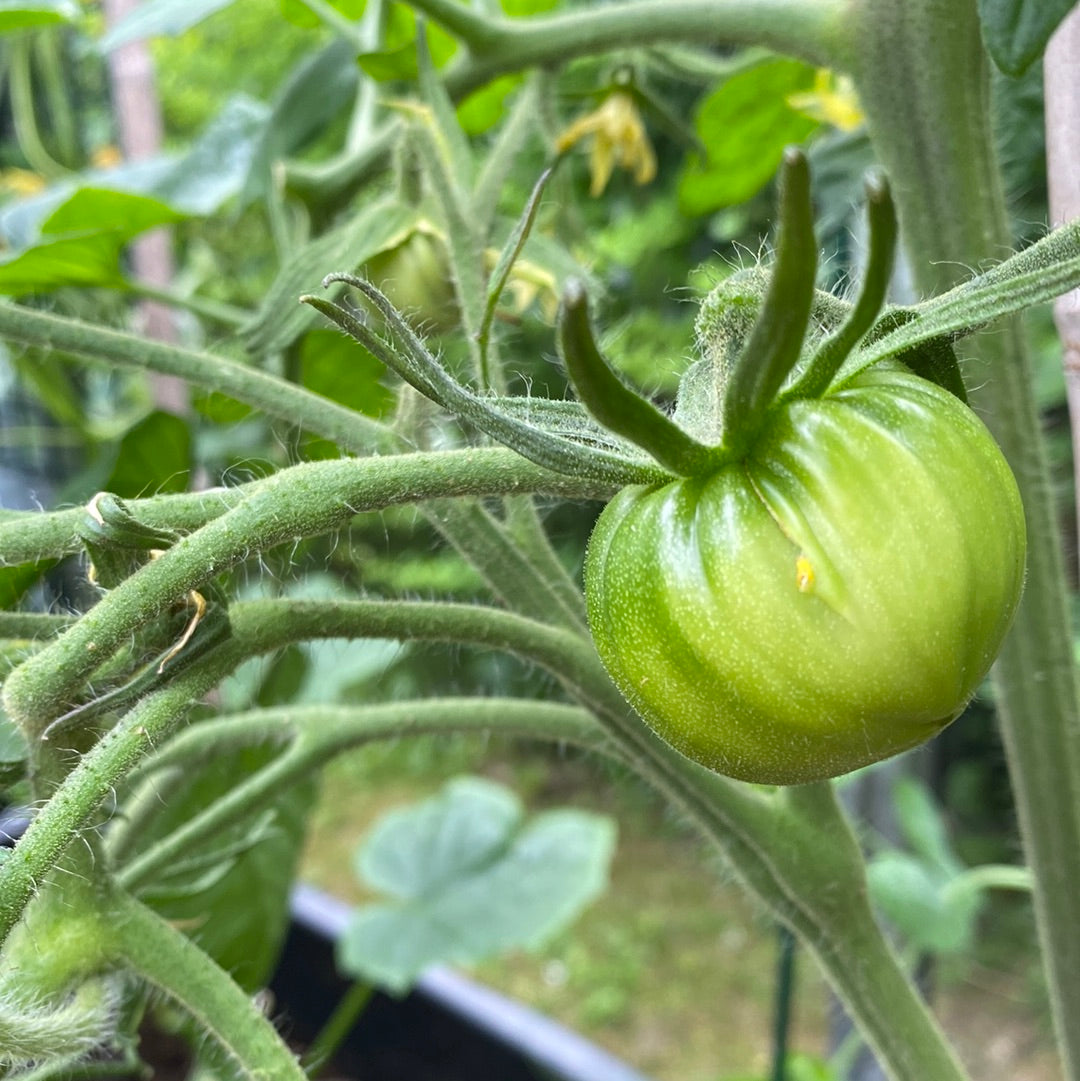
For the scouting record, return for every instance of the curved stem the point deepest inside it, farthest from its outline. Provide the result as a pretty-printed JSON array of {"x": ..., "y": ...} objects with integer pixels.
[
  {"x": 274, "y": 396},
  {"x": 160, "y": 955},
  {"x": 27, "y": 133},
  {"x": 319, "y": 733},
  {"x": 304, "y": 501},
  {"x": 922, "y": 78},
  {"x": 804, "y": 28}
]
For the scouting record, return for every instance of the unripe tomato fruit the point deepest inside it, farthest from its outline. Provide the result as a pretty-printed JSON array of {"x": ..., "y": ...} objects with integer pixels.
[{"x": 831, "y": 600}]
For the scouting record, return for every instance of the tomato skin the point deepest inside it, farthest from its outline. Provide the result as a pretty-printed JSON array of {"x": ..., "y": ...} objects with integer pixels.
[{"x": 831, "y": 600}]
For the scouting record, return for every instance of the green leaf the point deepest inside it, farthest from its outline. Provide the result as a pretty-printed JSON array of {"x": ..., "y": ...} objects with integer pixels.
[
  {"x": 231, "y": 896},
  {"x": 218, "y": 163},
  {"x": 20, "y": 15},
  {"x": 922, "y": 823},
  {"x": 745, "y": 125},
  {"x": 1016, "y": 31},
  {"x": 158, "y": 18},
  {"x": 911, "y": 895},
  {"x": 344, "y": 371},
  {"x": 314, "y": 92},
  {"x": 518, "y": 8},
  {"x": 397, "y": 59},
  {"x": 154, "y": 457},
  {"x": 299, "y": 14},
  {"x": 484, "y": 108},
  {"x": 120, "y": 213},
  {"x": 15, "y": 581},
  {"x": 470, "y": 878},
  {"x": 81, "y": 241}
]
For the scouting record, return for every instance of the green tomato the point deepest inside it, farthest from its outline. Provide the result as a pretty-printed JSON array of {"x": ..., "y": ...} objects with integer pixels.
[{"x": 831, "y": 600}]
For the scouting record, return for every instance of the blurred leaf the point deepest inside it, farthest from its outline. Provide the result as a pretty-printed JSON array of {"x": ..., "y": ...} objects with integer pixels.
[
  {"x": 299, "y": 14},
  {"x": 154, "y": 457},
  {"x": 1016, "y": 31},
  {"x": 516, "y": 8},
  {"x": 219, "y": 161},
  {"x": 19, "y": 15},
  {"x": 314, "y": 92},
  {"x": 197, "y": 182},
  {"x": 81, "y": 241},
  {"x": 344, "y": 371},
  {"x": 280, "y": 320},
  {"x": 911, "y": 895},
  {"x": 103, "y": 210},
  {"x": 485, "y": 107},
  {"x": 155, "y": 18},
  {"x": 745, "y": 125},
  {"x": 470, "y": 878},
  {"x": 231, "y": 896},
  {"x": 396, "y": 60},
  {"x": 922, "y": 823},
  {"x": 15, "y": 581}
]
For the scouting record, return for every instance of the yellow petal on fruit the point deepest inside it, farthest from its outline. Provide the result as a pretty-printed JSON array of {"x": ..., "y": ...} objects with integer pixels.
[{"x": 804, "y": 575}]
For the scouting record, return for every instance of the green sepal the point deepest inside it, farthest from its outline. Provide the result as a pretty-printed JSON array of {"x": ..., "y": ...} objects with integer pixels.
[
  {"x": 1036, "y": 275},
  {"x": 832, "y": 353},
  {"x": 407, "y": 356},
  {"x": 934, "y": 359},
  {"x": 615, "y": 405},
  {"x": 775, "y": 342}
]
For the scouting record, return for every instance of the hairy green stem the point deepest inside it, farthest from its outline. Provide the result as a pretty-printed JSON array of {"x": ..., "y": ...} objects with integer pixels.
[
  {"x": 273, "y": 396},
  {"x": 301, "y": 502},
  {"x": 923, "y": 79},
  {"x": 169, "y": 961},
  {"x": 319, "y": 733},
  {"x": 33, "y": 624},
  {"x": 804, "y": 28}
]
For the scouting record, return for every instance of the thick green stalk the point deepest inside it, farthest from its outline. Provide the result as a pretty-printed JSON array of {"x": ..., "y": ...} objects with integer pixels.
[
  {"x": 159, "y": 954},
  {"x": 922, "y": 77},
  {"x": 804, "y": 28}
]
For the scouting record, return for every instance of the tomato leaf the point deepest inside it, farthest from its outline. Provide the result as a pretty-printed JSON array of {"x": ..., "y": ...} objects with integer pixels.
[
  {"x": 154, "y": 457},
  {"x": 159, "y": 18},
  {"x": 314, "y": 92},
  {"x": 745, "y": 125},
  {"x": 470, "y": 877},
  {"x": 19, "y": 15},
  {"x": 1016, "y": 31}
]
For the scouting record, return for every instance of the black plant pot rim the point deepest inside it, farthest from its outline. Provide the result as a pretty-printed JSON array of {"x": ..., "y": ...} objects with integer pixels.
[{"x": 551, "y": 1046}]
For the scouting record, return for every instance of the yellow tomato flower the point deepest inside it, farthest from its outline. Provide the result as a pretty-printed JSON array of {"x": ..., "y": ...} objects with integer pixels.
[
  {"x": 21, "y": 181},
  {"x": 832, "y": 101},
  {"x": 618, "y": 138}
]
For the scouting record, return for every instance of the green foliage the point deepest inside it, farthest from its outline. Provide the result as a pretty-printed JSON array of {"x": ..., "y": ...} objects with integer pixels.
[
  {"x": 1016, "y": 31},
  {"x": 331, "y": 494},
  {"x": 744, "y": 124},
  {"x": 470, "y": 877},
  {"x": 20, "y": 15}
]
